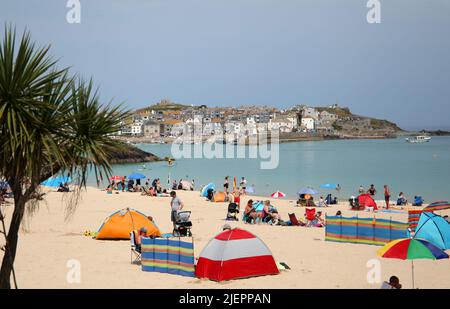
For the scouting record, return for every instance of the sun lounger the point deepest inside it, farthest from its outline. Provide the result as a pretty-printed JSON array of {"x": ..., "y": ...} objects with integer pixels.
[{"x": 294, "y": 220}]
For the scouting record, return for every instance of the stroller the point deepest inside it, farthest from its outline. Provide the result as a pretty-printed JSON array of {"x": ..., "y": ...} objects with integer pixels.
[
  {"x": 183, "y": 224},
  {"x": 233, "y": 210}
]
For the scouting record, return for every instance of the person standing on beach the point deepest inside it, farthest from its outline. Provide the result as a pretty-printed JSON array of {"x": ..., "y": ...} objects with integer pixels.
[
  {"x": 361, "y": 189},
  {"x": 122, "y": 183},
  {"x": 175, "y": 205},
  {"x": 387, "y": 196},
  {"x": 372, "y": 190},
  {"x": 226, "y": 185},
  {"x": 243, "y": 185}
]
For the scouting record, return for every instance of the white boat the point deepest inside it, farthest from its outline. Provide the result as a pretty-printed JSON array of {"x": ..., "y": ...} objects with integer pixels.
[{"x": 418, "y": 139}]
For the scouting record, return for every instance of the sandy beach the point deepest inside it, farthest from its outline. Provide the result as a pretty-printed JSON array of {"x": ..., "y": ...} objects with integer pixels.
[{"x": 47, "y": 242}]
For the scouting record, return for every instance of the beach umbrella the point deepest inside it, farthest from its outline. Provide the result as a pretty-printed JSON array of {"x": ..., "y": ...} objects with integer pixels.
[
  {"x": 434, "y": 229},
  {"x": 136, "y": 176},
  {"x": 329, "y": 186},
  {"x": 56, "y": 181},
  {"x": 441, "y": 205},
  {"x": 115, "y": 178},
  {"x": 411, "y": 249},
  {"x": 278, "y": 194},
  {"x": 307, "y": 190}
]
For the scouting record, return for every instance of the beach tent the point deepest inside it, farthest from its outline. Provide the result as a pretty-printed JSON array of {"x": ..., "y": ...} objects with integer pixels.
[
  {"x": 119, "y": 225},
  {"x": 205, "y": 189},
  {"x": 56, "y": 181},
  {"x": 435, "y": 229},
  {"x": 219, "y": 197},
  {"x": 367, "y": 201},
  {"x": 235, "y": 254}
]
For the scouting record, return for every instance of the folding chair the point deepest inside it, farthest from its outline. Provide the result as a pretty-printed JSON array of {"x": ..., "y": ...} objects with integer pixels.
[
  {"x": 310, "y": 216},
  {"x": 135, "y": 253},
  {"x": 294, "y": 220}
]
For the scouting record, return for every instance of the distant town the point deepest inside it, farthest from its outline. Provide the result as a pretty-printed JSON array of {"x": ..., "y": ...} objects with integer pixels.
[{"x": 164, "y": 121}]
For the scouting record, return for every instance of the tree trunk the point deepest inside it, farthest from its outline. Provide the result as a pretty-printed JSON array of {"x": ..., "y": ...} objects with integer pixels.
[{"x": 12, "y": 239}]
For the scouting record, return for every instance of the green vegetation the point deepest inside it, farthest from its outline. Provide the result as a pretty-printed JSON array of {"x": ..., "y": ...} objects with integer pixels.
[
  {"x": 336, "y": 126},
  {"x": 50, "y": 123}
]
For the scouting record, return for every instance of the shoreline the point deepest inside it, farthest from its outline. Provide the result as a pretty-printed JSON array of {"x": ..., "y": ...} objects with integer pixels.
[{"x": 143, "y": 140}]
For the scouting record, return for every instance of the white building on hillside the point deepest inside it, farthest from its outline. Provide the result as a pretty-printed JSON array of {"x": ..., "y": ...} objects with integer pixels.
[{"x": 307, "y": 124}]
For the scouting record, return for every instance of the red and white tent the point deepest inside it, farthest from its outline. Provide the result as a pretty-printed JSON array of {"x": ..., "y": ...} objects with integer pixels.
[
  {"x": 235, "y": 254},
  {"x": 278, "y": 194}
]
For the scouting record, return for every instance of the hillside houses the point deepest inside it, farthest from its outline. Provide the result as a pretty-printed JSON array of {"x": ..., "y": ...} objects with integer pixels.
[{"x": 168, "y": 119}]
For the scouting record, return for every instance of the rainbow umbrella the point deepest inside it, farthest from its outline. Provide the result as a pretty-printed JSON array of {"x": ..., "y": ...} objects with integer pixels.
[
  {"x": 411, "y": 249},
  {"x": 441, "y": 205}
]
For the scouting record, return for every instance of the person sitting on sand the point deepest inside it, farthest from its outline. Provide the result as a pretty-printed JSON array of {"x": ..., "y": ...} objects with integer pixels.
[
  {"x": 250, "y": 212},
  {"x": 63, "y": 188},
  {"x": 158, "y": 186},
  {"x": 394, "y": 283},
  {"x": 130, "y": 185},
  {"x": 318, "y": 221},
  {"x": 322, "y": 202},
  {"x": 174, "y": 185},
  {"x": 152, "y": 191},
  {"x": 338, "y": 213},
  {"x": 270, "y": 213},
  {"x": 138, "y": 237},
  {"x": 401, "y": 200}
]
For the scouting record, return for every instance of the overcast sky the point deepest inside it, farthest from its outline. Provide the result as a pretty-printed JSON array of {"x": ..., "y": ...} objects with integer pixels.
[{"x": 266, "y": 52}]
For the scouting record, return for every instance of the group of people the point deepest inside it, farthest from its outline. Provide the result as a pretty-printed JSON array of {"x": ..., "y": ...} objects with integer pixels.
[
  {"x": 180, "y": 186},
  {"x": 242, "y": 185},
  {"x": 268, "y": 213},
  {"x": 150, "y": 188},
  {"x": 401, "y": 199}
]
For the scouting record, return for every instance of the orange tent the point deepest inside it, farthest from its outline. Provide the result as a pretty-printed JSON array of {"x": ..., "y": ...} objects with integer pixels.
[
  {"x": 219, "y": 197},
  {"x": 120, "y": 224}
]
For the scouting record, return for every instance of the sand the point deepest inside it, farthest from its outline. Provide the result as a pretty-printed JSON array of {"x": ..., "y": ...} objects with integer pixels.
[{"x": 48, "y": 242}]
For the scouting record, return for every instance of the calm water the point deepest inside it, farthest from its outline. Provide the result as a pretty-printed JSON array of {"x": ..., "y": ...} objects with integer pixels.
[{"x": 415, "y": 169}]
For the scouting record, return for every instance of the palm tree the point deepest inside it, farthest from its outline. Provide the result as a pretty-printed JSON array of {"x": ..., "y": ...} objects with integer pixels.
[{"x": 50, "y": 123}]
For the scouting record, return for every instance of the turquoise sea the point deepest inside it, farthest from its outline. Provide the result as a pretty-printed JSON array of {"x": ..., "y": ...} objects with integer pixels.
[{"x": 415, "y": 169}]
